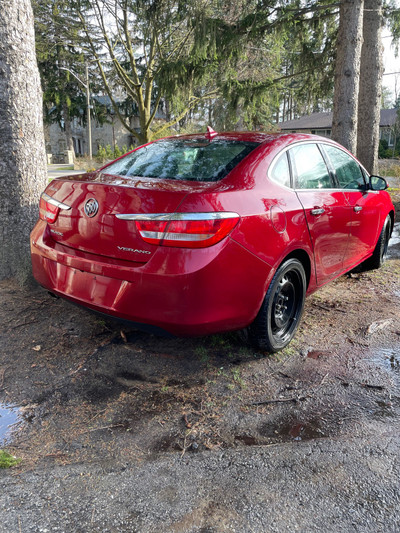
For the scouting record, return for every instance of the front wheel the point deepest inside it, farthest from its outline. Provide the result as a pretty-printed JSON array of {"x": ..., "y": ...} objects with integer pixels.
[
  {"x": 280, "y": 313},
  {"x": 380, "y": 252}
]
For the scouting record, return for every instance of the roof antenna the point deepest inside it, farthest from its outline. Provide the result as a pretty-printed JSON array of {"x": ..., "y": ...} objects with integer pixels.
[{"x": 210, "y": 133}]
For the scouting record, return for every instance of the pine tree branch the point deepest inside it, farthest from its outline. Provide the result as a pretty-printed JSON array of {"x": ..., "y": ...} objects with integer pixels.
[{"x": 194, "y": 101}]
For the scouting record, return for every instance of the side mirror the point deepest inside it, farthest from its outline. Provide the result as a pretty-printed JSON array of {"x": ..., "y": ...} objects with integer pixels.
[{"x": 376, "y": 183}]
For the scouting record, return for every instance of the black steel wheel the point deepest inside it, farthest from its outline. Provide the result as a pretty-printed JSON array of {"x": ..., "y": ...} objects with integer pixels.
[
  {"x": 280, "y": 313},
  {"x": 381, "y": 249}
]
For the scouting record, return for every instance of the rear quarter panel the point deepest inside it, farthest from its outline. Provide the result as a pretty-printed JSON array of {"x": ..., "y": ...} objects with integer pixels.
[{"x": 272, "y": 223}]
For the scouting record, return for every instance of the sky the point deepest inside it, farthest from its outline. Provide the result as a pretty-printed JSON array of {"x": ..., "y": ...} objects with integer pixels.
[{"x": 392, "y": 65}]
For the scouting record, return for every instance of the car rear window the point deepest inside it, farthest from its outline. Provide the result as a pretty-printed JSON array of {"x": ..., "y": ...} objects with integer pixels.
[{"x": 195, "y": 160}]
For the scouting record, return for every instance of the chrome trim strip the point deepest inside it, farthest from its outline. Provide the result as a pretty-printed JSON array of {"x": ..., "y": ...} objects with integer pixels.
[
  {"x": 55, "y": 202},
  {"x": 178, "y": 216},
  {"x": 176, "y": 236}
]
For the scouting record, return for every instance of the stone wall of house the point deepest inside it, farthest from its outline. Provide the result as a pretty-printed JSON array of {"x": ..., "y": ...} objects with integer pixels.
[{"x": 110, "y": 133}]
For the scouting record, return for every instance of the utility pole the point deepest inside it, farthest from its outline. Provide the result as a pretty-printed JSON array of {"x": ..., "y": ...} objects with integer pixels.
[{"x": 89, "y": 107}]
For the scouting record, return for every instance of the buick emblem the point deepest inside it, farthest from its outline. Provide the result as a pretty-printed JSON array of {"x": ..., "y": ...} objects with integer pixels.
[{"x": 91, "y": 207}]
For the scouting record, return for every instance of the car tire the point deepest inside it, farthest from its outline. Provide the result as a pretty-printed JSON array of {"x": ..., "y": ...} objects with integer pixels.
[
  {"x": 280, "y": 313},
  {"x": 380, "y": 252}
]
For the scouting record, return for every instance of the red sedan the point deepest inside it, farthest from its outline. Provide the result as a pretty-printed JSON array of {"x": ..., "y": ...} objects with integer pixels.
[{"x": 200, "y": 234}]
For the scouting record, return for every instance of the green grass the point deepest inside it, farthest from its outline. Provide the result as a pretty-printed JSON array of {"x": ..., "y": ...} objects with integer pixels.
[{"x": 7, "y": 460}]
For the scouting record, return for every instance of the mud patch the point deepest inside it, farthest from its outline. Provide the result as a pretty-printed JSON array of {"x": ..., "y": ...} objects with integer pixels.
[
  {"x": 167, "y": 443},
  {"x": 247, "y": 440},
  {"x": 316, "y": 354}
]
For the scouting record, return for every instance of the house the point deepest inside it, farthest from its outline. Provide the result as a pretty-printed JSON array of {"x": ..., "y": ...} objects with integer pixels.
[
  {"x": 109, "y": 132},
  {"x": 321, "y": 124}
]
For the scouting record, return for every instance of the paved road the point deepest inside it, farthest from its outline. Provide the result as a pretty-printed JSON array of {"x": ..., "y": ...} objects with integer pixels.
[
  {"x": 347, "y": 486},
  {"x": 56, "y": 171}
]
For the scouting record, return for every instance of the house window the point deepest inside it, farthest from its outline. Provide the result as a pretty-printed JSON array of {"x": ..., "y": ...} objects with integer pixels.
[
  {"x": 387, "y": 135},
  {"x": 324, "y": 133}
]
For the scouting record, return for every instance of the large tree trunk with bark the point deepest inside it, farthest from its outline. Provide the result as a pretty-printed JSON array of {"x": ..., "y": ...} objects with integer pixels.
[
  {"x": 22, "y": 153},
  {"x": 347, "y": 73},
  {"x": 370, "y": 95}
]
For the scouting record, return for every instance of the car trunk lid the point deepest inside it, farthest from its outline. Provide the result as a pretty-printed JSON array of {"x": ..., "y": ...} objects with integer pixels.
[{"x": 91, "y": 224}]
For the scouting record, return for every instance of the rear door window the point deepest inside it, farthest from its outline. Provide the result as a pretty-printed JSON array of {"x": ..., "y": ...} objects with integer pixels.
[
  {"x": 348, "y": 171},
  {"x": 192, "y": 159},
  {"x": 310, "y": 168}
]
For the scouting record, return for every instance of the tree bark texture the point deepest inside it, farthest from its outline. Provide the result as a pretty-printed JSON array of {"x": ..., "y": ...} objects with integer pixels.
[
  {"x": 370, "y": 94},
  {"x": 22, "y": 153},
  {"x": 347, "y": 73}
]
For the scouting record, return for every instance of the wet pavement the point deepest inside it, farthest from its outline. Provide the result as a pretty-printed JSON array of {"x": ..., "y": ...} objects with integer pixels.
[{"x": 394, "y": 250}]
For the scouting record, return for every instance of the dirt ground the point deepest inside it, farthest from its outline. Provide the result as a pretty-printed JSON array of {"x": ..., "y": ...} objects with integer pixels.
[{"x": 92, "y": 392}]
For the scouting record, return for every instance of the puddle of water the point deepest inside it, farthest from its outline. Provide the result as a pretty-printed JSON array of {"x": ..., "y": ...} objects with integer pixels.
[
  {"x": 387, "y": 358},
  {"x": 394, "y": 242},
  {"x": 294, "y": 430},
  {"x": 9, "y": 415}
]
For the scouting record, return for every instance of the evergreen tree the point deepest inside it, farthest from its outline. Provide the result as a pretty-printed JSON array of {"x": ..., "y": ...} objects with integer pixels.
[{"x": 58, "y": 47}]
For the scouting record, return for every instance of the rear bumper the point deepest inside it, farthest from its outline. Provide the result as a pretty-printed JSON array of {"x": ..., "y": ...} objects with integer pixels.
[{"x": 185, "y": 292}]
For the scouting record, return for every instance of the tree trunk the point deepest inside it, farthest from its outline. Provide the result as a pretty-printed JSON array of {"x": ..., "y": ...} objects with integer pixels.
[
  {"x": 370, "y": 95},
  {"x": 22, "y": 153},
  {"x": 347, "y": 74}
]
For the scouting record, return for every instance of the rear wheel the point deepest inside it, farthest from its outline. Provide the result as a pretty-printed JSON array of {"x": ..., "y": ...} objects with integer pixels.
[
  {"x": 380, "y": 253},
  {"x": 280, "y": 313}
]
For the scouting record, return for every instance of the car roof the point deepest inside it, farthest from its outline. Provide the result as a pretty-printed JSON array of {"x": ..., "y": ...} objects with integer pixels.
[{"x": 251, "y": 136}]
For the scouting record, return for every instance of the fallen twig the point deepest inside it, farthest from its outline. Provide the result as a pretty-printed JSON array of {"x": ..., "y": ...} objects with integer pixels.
[
  {"x": 84, "y": 361},
  {"x": 56, "y": 455},
  {"x": 285, "y": 375},
  {"x": 294, "y": 399},
  {"x": 369, "y": 386},
  {"x": 100, "y": 428},
  {"x": 346, "y": 383},
  {"x": 24, "y": 324},
  {"x": 325, "y": 308},
  {"x": 323, "y": 379}
]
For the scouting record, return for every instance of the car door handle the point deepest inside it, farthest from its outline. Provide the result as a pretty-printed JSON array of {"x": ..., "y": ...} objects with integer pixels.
[
  {"x": 317, "y": 211},
  {"x": 357, "y": 208}
]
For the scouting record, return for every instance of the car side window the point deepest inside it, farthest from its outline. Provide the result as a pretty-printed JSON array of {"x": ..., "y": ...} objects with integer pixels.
[
  {"x": 310, "y": 168},
  {"x": 348, "y": 171},
  {"x": 280, "y": 171}
]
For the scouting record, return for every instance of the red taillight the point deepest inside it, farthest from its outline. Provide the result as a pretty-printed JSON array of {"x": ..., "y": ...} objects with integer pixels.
[
  {"x": 47, "y": 211},
  {"x": 49, "y": 208},
  {"x": 191, "y": 230}
]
